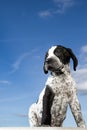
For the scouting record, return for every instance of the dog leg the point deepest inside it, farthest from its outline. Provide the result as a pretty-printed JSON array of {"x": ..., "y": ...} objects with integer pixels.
[
  {"x": 47, "y": 103},
  {"x": 76, "y": 111},
  {"x": 33, "y": 120}
]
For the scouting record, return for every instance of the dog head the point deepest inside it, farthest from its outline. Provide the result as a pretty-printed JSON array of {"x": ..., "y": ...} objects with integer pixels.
[{"x": 58, "y": 56}]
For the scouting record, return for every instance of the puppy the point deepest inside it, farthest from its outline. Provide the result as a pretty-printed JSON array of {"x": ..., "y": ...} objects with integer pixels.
[{"x": 59, "y": 91}]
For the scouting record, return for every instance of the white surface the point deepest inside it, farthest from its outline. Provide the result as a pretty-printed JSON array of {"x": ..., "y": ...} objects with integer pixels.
[{"x": 40, "y": 128}]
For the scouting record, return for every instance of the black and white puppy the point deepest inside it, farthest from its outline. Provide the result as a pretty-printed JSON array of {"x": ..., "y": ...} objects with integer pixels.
[{"x": 60, "y": 90}]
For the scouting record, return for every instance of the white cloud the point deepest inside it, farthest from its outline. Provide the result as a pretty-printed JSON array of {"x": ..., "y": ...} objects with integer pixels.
[
  {"x": 81, "y": 78},
  {"x": 81, "y": 74},
  {"x": 17, "y": 63},
  {"x": 5, "y": 82},
  {"x": 84, "y": 49},
  {"x": 45, "y": 13},
  {"x": 61, "y": 6},
  {"x": 83, "y": 54}
]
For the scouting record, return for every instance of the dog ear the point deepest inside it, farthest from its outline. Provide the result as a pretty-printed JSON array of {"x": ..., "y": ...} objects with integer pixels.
[
  {"x": 45, "y": 68},
  {"x": 75, "y": 61}
]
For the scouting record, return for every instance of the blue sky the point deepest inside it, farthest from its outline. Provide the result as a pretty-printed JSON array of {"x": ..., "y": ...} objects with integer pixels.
[{"x": 27, "y": 30}]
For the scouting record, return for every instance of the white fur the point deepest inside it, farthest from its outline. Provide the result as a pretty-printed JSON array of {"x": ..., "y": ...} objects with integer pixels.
[
  {"x": 50, "y": 52},
  {"x": 52, "y": 55}
]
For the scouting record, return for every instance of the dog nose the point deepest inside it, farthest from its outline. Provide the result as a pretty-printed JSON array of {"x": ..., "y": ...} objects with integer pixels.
[{"x": 49, "y": 60}]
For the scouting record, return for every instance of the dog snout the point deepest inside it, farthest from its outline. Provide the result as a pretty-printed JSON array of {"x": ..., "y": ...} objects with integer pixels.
[{"x": 49, "y": 60}]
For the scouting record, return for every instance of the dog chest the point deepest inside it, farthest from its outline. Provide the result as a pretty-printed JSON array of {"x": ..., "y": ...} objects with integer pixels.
[{"x": 61, "y": 85}]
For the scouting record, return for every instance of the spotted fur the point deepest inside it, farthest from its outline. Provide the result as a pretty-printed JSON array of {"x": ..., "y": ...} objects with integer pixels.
[{"x": 60, "y": 90}]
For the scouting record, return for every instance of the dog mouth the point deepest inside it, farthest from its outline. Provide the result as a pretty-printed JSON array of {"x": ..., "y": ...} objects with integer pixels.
[
  {"x": 56, "y": 69},
  {"x": 60, "y": 67}
]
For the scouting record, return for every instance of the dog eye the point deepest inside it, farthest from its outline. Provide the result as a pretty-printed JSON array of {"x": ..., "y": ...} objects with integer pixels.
[{"x": 56, "y": 52}]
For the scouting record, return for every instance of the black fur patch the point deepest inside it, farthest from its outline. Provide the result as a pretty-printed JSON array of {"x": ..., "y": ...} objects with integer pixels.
[
  {"x": 62, "y": 54},
  {"x": 44, "y": 67},
  {"x": 47, "y": 103}
]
